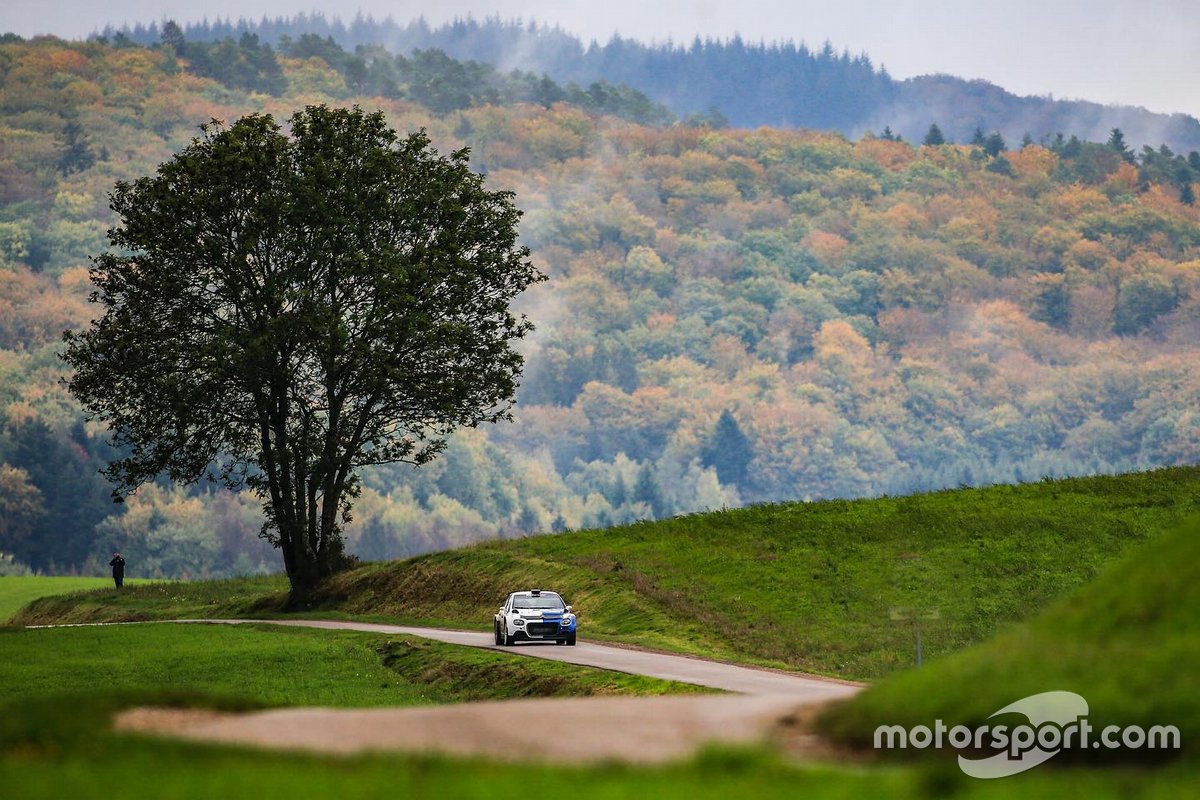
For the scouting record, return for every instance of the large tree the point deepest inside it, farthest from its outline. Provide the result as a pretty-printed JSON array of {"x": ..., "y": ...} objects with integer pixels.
[{"x": 282, "y": 309}]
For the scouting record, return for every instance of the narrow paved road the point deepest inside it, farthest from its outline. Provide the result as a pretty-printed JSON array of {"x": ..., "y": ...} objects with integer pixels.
[{"x": 714, "y": 674}]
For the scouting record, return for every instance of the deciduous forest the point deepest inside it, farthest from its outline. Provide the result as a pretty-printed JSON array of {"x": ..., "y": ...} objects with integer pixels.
[{"x": 733, "y": 316}]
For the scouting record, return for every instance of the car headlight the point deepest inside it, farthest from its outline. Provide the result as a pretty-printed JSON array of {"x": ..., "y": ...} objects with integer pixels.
[
  {"x": 567, "y": 621},
  {"x": 518, "y": 622}
]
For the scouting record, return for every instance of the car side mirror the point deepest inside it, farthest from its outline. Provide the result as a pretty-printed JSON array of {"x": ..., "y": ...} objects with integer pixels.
[{"x": 570, "y": 609}]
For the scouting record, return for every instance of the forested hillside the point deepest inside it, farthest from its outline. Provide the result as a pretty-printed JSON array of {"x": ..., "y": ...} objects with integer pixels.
[
  {"x": 748, "y": 83},
  {"x": 732, "y": 316}
]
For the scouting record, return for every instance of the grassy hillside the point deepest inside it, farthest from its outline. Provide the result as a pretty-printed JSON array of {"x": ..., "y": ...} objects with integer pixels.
[
  {"x": 1128, "y": 642},
  {"x": 19, "y": 590},
  {"x": 805, "y": 586}
]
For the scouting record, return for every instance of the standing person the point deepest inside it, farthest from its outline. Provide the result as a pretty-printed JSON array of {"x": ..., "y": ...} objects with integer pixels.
[{"x": 118, "y": 566}]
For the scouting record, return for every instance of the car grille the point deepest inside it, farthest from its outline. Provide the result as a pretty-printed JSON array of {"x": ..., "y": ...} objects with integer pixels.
[{"x": 542, "y": 628}]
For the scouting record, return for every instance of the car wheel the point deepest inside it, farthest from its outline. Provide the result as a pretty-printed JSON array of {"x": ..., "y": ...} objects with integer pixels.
[
  {"x": 496, "y": 633},
  {"x": 571, "y": 640},
  {"x": 509, "y": 641}
]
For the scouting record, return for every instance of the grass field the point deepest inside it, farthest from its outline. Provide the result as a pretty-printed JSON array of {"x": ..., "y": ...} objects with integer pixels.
[
  {"x": 1129, "y": 643},
  {"x": 17, "y": 591},
  {"x": 287, "y": 666},
  {"x": 804, "y": 586},
  {"x": 55, "y": 744}
]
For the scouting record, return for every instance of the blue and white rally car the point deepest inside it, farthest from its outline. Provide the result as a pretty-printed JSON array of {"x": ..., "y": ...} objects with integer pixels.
[{"x": 535, "y": 615}]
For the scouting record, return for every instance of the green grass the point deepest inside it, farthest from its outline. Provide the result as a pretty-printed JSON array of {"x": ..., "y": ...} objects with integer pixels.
[
  {"x": 17, "y": 591},
  {"x": 287, "y": 666},
  {"x": 1129, "y": 643},
  {"x": 61, "y": 747},
  {"x": 803, "y": 586}
]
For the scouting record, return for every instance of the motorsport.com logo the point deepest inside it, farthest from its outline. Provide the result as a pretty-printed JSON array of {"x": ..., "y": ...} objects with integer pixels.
[{"x": 1057, "y": 722}]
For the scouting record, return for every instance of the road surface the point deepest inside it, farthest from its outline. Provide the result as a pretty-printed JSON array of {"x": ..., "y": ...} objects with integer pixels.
[{"x": 713, "y": 674}]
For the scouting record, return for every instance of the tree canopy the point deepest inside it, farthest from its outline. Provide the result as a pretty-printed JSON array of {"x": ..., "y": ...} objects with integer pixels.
[{"x": 283, "y": 310}]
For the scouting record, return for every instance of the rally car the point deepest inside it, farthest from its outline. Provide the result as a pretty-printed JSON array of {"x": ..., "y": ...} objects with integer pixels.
[{"x": 535, "y": 615}]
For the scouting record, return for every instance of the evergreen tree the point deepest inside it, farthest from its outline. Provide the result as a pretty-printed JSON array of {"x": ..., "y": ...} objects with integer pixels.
[
  {"x": 1184, "y": 175},
  {"x": 1116, "y": 141},
  {"x": 619, "y": 494},
  {"x": 1001, "y": 165},
  {"x": 172, "y": 37},
  {"x": 1187, "y": 195},
  {"x": 994, "y": 144},
  {"x": 528, "y": 521},
  {"x": 64, "y": 469},
  {"x": 1051, "y": 301},
  {"x": 977, "y": 138},
  {"x": 647, "y": 491},
  {"x": 934, "y": 137},
  {"x": 77, "y": 154},
  {"x": 728, "y": 451}
]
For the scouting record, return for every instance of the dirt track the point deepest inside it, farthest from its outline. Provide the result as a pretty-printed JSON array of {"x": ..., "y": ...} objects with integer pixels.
[
  {"x": 635, "y": 729},
  {"x": 575, "y": 729}
]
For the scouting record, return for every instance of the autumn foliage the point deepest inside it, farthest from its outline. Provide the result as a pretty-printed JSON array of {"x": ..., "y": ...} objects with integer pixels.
[{"x": 874, "y": 316}]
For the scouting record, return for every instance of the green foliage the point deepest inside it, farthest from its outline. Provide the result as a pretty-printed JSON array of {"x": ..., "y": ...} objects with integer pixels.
[
  {"x": 286, "y": 379},
  {"x": 805, "y": 586},
  {"x": 443, "y": 84},
  {"x": 934, "y": 136},
  {"x": 1119, "y": 641},
  {"x": 74, "y": 498},
  {"x": 19, "y": 590},
  {"x": 1001, "y": 165},
  {"x": 245, "y": 64},
  {"x": 324, "y": 668},
  {"x": 1116, "y": 143},
  {"x": 1143, "y": 299},
  {"x": 729, "y": 452},
  {"x": 77, "y": 155}
]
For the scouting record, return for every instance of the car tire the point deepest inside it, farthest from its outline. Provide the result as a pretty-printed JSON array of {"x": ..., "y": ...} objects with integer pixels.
[
  {"x": 571, "y": 640},
  {"x": 560, "y": 641},
  {"x": 509, "y": 641},
  {"x": 496, "y": 633}
]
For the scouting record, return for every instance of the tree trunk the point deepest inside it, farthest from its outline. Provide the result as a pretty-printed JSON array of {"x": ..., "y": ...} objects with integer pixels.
[{"x": 309, "y": 561}]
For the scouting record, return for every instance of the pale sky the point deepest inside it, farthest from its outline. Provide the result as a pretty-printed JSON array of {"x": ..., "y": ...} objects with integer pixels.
[{"x": 1143, "y": 53}]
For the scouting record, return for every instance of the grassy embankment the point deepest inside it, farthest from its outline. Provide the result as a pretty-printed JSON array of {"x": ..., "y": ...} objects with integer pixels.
[
  {"x": 804, "y": 586},
  {"x": 1129, "y": 643},
  {"x": 16, "y": 591}
]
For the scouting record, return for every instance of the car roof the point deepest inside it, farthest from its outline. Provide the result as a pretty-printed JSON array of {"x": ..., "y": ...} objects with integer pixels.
[{"x": 530, "y": 593}]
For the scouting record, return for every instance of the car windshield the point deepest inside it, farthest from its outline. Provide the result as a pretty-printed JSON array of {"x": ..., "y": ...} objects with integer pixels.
[{"x": 547, "y": 601}]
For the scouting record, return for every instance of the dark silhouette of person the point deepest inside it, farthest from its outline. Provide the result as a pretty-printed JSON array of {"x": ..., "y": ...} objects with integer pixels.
[{"x": 118, "y": 565}]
